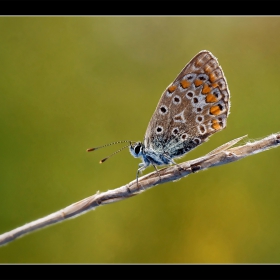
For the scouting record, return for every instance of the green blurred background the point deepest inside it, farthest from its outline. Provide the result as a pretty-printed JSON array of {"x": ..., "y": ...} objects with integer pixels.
[{"x": 71, "y": 83}]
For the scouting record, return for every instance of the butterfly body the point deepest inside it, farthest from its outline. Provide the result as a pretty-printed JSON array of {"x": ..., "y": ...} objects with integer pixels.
[
  {"x": 149, "y": 156},
  {"x": 190, "y": 110}
]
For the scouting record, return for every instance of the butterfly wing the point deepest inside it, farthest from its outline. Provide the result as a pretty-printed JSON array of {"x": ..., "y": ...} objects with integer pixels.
[{"x": 191, "y": 109}]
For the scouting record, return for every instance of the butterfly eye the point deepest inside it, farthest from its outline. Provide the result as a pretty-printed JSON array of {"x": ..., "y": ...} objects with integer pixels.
[{"x": 137, "y": 149}]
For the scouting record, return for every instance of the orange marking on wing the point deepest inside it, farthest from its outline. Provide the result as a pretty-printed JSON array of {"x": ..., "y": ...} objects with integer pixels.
[
  {"x": 171, "y": 88},
  {"x": 214, "y": 85},
  {"x": 215, "y": 110},
  {"x": 212, "y": 77},
  {"x": 206, "y": 89},
  {"x": 215, "y": 125},
  {"x": 185, "y": 84},
  {"x": 198, "y": 83},
  {"x": 211, "y": 98}
]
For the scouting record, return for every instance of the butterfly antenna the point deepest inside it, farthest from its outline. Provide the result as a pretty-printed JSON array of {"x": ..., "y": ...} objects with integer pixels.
[
  {"x": 102, "y": 160},
  {"x": 106, "y": 145}
]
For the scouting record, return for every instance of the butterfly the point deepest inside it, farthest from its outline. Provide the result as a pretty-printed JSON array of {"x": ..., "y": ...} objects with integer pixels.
[{"x": 191, "y": 109}]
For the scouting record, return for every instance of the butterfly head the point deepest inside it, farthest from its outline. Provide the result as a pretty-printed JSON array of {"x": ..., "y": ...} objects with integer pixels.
[{"x": 136, "y": 149}]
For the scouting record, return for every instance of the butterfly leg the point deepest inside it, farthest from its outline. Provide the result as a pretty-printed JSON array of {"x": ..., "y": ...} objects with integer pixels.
[
  {"x": 141, "y": 166},
  {"x": 157, "y": 171}
]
